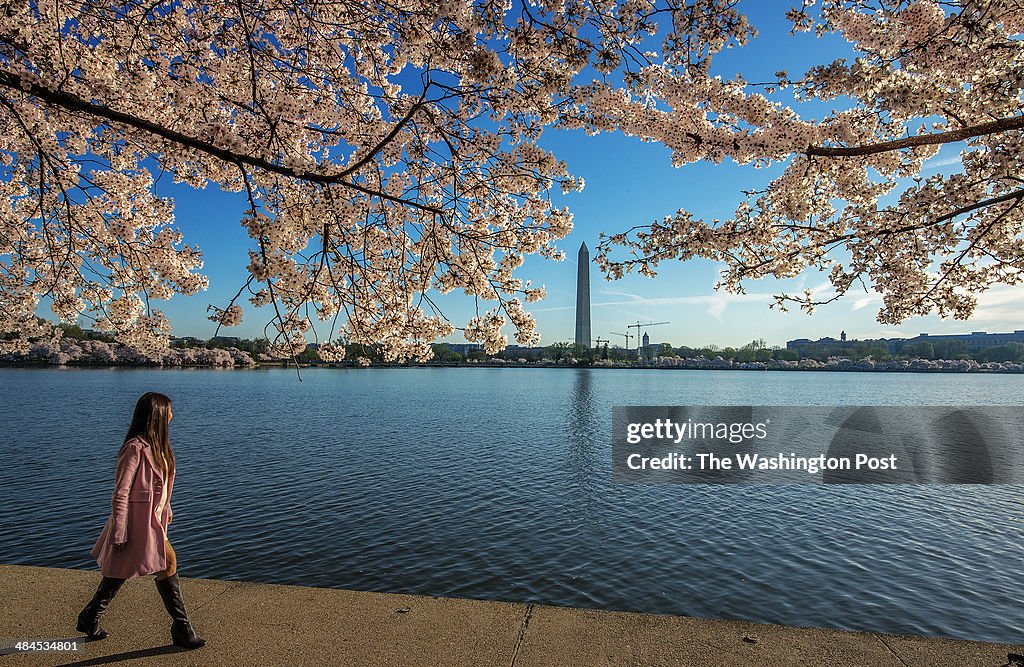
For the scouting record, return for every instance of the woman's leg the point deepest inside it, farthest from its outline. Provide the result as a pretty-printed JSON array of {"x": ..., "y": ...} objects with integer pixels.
[
  {"x": 172, "y": 562},
  {"x": 182, "y": 632},
  {"x": 89, "y": 619}
]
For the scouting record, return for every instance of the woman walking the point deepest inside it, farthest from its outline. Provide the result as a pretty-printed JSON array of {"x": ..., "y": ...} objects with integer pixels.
[{"x": 134, "y": 540}]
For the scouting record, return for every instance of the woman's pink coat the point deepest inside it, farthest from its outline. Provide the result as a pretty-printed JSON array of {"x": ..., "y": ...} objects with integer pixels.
[{"x": 133, "y": 518}]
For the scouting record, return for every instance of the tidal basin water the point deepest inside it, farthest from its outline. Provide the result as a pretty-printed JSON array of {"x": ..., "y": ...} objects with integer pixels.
[{"x": 496, "y": 484}]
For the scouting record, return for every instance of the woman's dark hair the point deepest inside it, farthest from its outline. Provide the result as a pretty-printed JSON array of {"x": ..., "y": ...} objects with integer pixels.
[{"x": 150, "y": 421}]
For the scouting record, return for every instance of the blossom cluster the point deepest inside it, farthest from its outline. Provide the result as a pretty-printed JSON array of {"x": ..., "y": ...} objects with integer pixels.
[
  {"x": 98, "y": 352},
  {"x": 853, "y": 200},
  {"x": 843, "y": 364}
]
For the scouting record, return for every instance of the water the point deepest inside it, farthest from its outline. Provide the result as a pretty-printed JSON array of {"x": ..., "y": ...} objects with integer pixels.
[{"x": 496, "y": 484}]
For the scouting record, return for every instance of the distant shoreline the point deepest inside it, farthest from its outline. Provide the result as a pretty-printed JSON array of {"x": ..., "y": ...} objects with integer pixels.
[{"x": 343, "y": 366}]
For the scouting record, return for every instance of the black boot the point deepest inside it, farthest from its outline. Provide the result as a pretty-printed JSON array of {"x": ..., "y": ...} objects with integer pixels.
[
  {"x": 182, "y": 633},
  {"x": 89, "y": 619}
]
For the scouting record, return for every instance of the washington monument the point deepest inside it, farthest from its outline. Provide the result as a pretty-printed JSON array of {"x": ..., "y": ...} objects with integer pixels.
[{"x": 583, "y": 297}]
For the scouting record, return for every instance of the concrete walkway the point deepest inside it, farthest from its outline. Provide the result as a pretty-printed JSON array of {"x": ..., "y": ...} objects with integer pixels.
[{"x": 258, "y": 624}]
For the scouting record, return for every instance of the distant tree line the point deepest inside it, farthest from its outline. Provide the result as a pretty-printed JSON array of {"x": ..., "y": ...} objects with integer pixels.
[
  {"x": 755, "y": 351},
  {"x": 77, "y": 346},
  {"x": 86, "y": 346},
  {"x": 949, "y": 349}
]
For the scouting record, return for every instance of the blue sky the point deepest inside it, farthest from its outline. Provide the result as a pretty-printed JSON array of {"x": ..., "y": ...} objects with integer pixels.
[{"x": 627, "y": 183}]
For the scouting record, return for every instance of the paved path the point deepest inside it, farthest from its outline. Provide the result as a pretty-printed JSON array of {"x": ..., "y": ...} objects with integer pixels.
[{"x": 259, "y": 624}]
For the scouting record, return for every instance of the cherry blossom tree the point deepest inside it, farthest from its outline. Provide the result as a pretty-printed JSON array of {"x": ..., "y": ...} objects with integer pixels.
[
  {"x": 97, "y": 352},
  {"x": 852, "y": 200},
  {"x": 384, "y": 151},
  {"x": 390, "y": 151}
]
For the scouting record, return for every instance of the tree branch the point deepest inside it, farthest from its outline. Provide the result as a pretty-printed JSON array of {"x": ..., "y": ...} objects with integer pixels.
[
  {"x": 994, "y": 127},
  {"x": 390, "y": 136},
  {"x": 72, "y": 102}
]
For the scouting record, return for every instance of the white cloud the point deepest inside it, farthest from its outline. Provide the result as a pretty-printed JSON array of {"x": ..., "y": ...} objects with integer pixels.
[
  {"x": 716, "y": 308},
  {"x": 865, "y": 301},
  {"x": 615, "y": 293},
  {"x": 716, "y": 302},
  {"x": 1002, "y": 304},
  {"x": 551, "y": 309},
  {"x": 823, "y": 291},
  {"x": 943, "y": 162}
]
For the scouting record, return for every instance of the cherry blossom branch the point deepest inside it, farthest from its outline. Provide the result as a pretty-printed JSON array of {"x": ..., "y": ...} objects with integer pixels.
[
  {"x": 373, "y": 152},
  {"x": 966, "y": 251},
  {"x": 72, "y": 102},
  {"x": 994, "y": 127}
]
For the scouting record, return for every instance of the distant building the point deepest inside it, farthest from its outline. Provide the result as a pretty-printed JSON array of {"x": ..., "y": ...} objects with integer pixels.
[
  {"x": 186, "y": 341},
  {"x": 463, "y": 348},
  {"x": 976, "y": 340},
  {"x": 515, "y": 352},
  {"x": 798, "y": 343},
  {"x": 651, "y": 350},
  {"x": 973, "y": 342},
  {"x": 522, "y": 349},
  {"x": 838, "y": 346}
]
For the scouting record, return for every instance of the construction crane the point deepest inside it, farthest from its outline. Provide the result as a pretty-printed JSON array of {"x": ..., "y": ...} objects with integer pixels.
[
  {"x": 638, "y": 326},
  {"x": 627, "y": 335},
  {"x": 600, "y": 340}
]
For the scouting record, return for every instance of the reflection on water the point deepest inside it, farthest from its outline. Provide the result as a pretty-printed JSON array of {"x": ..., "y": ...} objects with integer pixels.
[
  {"x": 583, "y": 422},
  {"x": 585, "y": 446},
  {"x": 496, "y": 483},
  {"x": 583, "y": 419}
]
